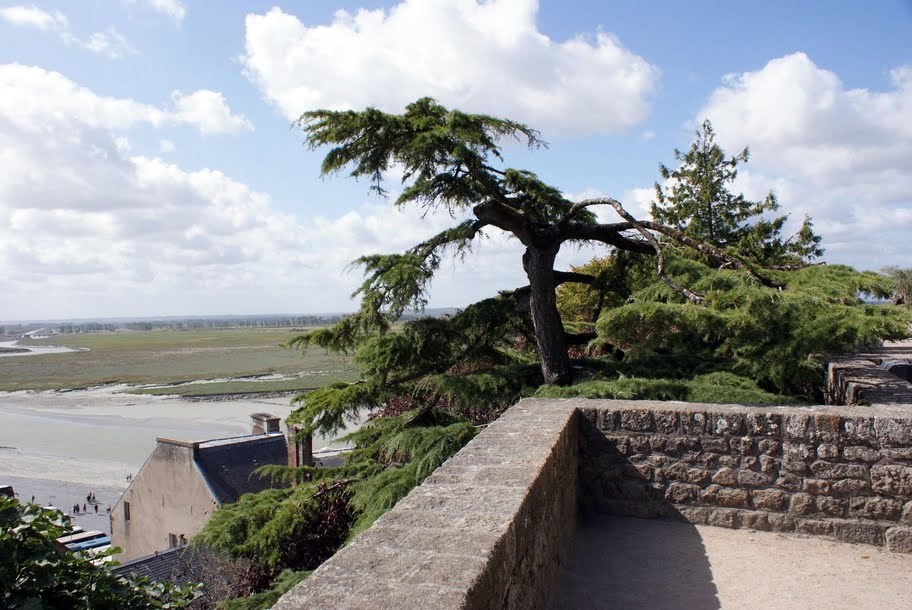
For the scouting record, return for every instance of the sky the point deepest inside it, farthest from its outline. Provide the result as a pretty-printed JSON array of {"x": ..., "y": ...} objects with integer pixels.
[{"x": 149, "y": 165}]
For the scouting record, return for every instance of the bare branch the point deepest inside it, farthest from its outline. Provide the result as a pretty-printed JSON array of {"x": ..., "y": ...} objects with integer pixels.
[{"x": 660, "y": 255}]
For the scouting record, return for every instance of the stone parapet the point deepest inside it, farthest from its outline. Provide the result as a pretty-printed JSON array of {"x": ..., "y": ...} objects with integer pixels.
[
  {"x": 860, "y": 380},
  {"x": 839, "y": 472},
  {"x": 487, "y": 530}
]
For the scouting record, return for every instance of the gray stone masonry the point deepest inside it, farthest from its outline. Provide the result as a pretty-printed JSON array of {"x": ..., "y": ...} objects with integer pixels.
[
  {"x": 840, "y": 472},
  {"x": 488, "y": 529}
]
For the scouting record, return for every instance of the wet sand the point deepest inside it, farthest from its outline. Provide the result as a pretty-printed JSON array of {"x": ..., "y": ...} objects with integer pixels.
[{"x": 61, "y": 445}]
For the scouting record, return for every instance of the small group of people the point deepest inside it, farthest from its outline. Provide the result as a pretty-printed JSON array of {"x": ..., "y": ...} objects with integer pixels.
[{"x": 90, "y": 501}]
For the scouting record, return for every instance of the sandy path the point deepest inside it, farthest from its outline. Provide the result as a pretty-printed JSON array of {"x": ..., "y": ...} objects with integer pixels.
[{"x": 643, "y": 563}]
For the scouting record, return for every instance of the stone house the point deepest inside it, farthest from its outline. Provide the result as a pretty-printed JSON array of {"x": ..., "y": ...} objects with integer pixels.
[{"x": 182, "y": 483}]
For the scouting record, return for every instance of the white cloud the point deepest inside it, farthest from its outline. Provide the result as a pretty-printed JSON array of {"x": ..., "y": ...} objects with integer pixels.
[
  {"x": 173, "y": 9},
  {"x": 165, "y": 146},
  {"x": 207, "y": 110},
  {"x": 479, "y": 56},
  {"x": 842, "y": 155},
  {"x": 92, "y": 228},
  {"x": 109, "y": 43},
  {"x": 29, "y": 93},
  {"x": 32, "y": 16}
]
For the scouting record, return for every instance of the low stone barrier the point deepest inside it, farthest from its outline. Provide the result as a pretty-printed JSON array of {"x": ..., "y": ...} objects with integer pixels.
[
  {"x": 839, "y": 472},
  {"x": 490, "y": 527},
  {"x": 859, "y": 380},
  {"x": 487, "y": 530}
]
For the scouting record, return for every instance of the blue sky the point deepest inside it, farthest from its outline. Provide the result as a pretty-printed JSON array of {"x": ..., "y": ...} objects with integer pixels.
[{"x": 149, "y": 166}]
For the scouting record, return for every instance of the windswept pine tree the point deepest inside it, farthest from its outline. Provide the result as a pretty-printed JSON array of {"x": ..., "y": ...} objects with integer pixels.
[{"x": 709, "y": 303}]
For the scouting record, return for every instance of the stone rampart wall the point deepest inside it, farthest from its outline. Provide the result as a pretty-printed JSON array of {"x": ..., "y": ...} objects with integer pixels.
[
  {"x": 487, "y": 530},
  {"x": 839, "y": 472}
]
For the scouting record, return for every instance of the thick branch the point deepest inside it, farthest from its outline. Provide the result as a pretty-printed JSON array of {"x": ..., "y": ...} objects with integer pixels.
[
  {"x": 610, "y": 234},
  {"x": 497, "y": 214}
]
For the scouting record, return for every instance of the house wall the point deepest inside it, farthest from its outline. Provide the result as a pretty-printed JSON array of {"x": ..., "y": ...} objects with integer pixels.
[{"x": 168, "y": 495}]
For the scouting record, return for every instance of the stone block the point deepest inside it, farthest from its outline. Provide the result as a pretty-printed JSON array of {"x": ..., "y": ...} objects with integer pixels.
[
  {"x": 796, "y": 457},
  {"x": 858, "y": 430},
  {"x": 899, "y": 539},
  {"x": 756, "y": 520},
  {"x": 743, "y": 445},
  {"x": 749, "y": 478},
  {"x": 724, "y": 496},
  {"x": 722, "y": 517},
  {"x": 875, "y": 508},
  {"x": 698, "y": 476},
  {"x": 861, "y": 454},
  {"x": 666, "y": 422},
  {"x": 853, "y": 531},
  {"x": 763, "y": 424},
  {"x": 797, "y": 427},
  {"x": 608, "y": 420},
  {"x": 815, "y": 527},
  {"x": 802, "y": 504},
  {"x": 830, "y": 470},
  {"x": 693, "y": 423},
  {"x": 827, "y": 451},
  {"x": 769, "y": 465},
  {"x": 717, "y": 445},
  {"x": 826, "y": 427},
  {"x": 769, "y": 499},
  {"x": 851, "y": 487},
  {"x": 789, "y": 482},
  {"x": 726, "y": 476},
  {"x": 781, "y": 523},
  {"x": 682, "y": 493},
  {"x": 728, "y": 424},
  {"x": 640, "y": 444},
  {"x": 906, "y": 517},
  {"x": 892, "y": 480},
  {"x": 816, "y": 486},
  {"x": 901, "y": 453},
  {"x": 637, "y": 420},
  {"x": 893, "y": 431},
  {"x": 769, "y": 446},
  {"x": 729, "y": 461},
  {"x": 834, "y": 507}
]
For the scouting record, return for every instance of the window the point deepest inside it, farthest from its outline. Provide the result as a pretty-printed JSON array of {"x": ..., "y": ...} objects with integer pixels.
[
  {"x": 126, "y": 511},
  {"x": 172, "y": 541}
]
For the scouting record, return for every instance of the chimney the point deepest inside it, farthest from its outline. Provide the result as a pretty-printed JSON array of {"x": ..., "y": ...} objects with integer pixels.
[
  {"x": 263, "y": 423},
  {"x": 300, "y": 447}
]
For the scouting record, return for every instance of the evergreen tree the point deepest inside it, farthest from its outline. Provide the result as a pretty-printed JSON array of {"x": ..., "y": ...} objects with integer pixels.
[{"x": 699, "y": 202}]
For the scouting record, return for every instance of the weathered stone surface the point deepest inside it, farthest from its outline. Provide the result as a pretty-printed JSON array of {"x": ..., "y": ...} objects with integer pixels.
[
  {"x": 749, "y": 478},
  {"x": 827, "y": 451},
  {"x": 716, "y": 445},
  {"x": 834, "y": 507},
  {"x": 769, "y": 465},
  {"x": 830, "y": 470},
  {"x": 892, "y": 480},
  {"x": 769, "y": 446},
  {"x": 893, "y": 432},
  {"x": 906, "y": 518},
  {"x": 902, "y": 453},
  {"x": 743, "y": 445},
  {"x": 723, "y": 496},
  {"x": 682, "y": 493},
  {"x": 815, "y": 527},
  {"x": 875, "y": 508},
  {"x": 899, "y": 539},
  {"x": 796, "y": 457},
  {"x": 693, "y": 423},
  {"x": 769, "y": 499},
  {"x": 826, "y": 427},
  {"x": 764, "y": 424},
  {"x": 851, "y": 487},
  {"x": 858, "y": 430},
  {"x": 816, "y": 486},
  {"x": 757, "y": 520},
  {"x": 781, "y": 523},
  {"x": 728, "y": 424},
  {"x": 802, "y": 504},
  {"x": 789, "y": 482},
  {"x": 852, "y": 531},
  {"x": 797, "y": 426},
  {"x": 726, "y": 476},
  {"x": 637, "y": 420},
  {"x": 666, "y": 422},
  {"x": 861, "y": 454}
]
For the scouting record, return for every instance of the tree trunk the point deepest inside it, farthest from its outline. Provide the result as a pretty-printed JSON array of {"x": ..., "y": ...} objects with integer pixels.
[{"x": 549, "y": 330}]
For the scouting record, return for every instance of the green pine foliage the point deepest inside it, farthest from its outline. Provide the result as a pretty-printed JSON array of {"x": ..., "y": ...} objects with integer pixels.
[{"x": 37, "y": 573}]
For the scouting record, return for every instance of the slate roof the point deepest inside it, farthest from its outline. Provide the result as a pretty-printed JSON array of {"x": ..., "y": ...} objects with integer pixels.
[
  {"x": 227, "y": 465},
  {"x": 181, "y": 565}
]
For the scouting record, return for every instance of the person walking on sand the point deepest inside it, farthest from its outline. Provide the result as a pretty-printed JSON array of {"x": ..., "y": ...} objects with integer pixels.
[{"x": 96, "y": 509}]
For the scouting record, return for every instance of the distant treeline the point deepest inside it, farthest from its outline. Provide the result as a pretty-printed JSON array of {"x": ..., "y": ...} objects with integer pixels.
[{"x": 202, "y": 323}]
